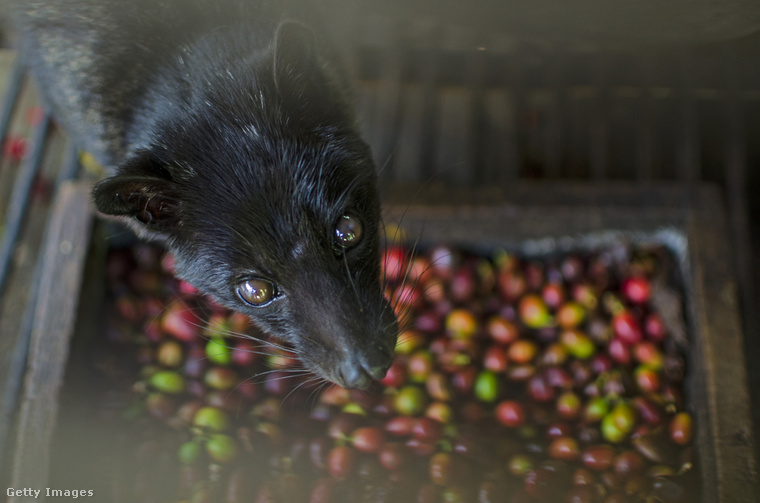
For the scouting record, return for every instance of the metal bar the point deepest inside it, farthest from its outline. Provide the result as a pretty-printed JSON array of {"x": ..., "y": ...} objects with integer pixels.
[
  {"x": 70, "y": 166},
  {"x": 8, "y": 103},
  {"x": 553, "y": 133},
  {"x": 476, "y": 136},
  {"x": 390, "y": 109},
  {"x": 600, "y": 126},
  {"x": 645, "y": 154},
  {"x": 687, "y": 157},
  {"x": 19, "y": 202},
  {"x": 497, "y": 112},
  {"x": 512, "y": 165},
  {"x": 430, "y": 109}
]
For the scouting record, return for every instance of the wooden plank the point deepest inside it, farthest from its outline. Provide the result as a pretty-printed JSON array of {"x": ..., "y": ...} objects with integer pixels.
[
  {"x": 738, "y": 176},
  {"x": 65, "y": 250},
  {"x": 724, "y": 407},
  {"x": 18, "y": 304}
]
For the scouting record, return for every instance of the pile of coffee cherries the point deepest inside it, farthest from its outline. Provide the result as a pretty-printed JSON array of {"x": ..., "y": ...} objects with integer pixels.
[{"x": 515, "y": 380}]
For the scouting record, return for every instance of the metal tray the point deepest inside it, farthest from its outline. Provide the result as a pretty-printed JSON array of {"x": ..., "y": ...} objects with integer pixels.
[{"x": 537, "y": 219}]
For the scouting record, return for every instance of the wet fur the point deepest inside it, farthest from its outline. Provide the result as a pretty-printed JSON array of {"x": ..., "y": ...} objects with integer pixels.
[{"x": 235, "y": 145}]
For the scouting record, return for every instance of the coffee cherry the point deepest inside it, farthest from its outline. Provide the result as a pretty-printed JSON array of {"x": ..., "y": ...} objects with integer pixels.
[
  {"x": 578, "y": 344},
  {"x": 438, "y": 387},
  {"x": 522, "y": 351},
  {"x": 534, "y": 312},
  {"x": 564, "y": 448},
  {"x": 181, "y": 322},
  {"x": 427, "y": 430},
  {"x": 393, "y": 263},
  {"x": 553, "y": 295},
  {"x": 502, "y": 331},
  {"x": 211, "y": 418},
  {"x": 596, "y": 409},
  {"x": 189, "y": 452},
  {"x": 420, "y": 365},
  {"x": 168, "y": 381},
  {"x": 570, "y": 315},
  {"x": 341, "y": 462},
  {"x": 487, "y": 386},
  {"x": 409, "y": 341},
  {"x": 410, "y": 401},
  {"x": 626, "y": 328},
  {"x": 636, "y": 289},
  {"x": 245, "y": 353},
  {"x": 510, "y": 413},
  {"x": 598, "y": 457},
  {"x": 495, "y": 359},
  {"x": 461, "y": 324},
  {"x": 647, "y": 379},
  {"x": 515, "y": 379},
  {"x": 396, "y": 376},
  {"x": 221, "y": 448},
  {"x": 440, "y": 411},
  {"x": 442, "y": 470},
  {"x": 221, "y": 378},
  {"x": 520, "y": 464},
  {"x": 511, "y": 285},
  {"x": 681, "y": 429},
  {"x": 654, "y": 328},
  {"x": 568, "y": 405},
  {"x": 218, "y": 352},
  {"x": 368, "y": 439},
  {"x": 393, "y": 456}
]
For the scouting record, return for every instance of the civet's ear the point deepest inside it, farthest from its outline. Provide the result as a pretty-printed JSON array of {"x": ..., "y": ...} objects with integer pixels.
[
  {"x": 302, "y": 81},
  {"x": 295, "y": 58},
  {"x": 149, "y": 204}
]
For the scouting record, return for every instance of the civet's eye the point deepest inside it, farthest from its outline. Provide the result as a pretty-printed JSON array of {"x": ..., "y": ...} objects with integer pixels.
[
  {"x": 257, "y": 292},
  {"x": 348, "y": 231}
]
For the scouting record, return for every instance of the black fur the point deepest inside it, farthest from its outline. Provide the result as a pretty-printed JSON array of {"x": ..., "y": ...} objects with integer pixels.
[{"x": 237, "y": 148}]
